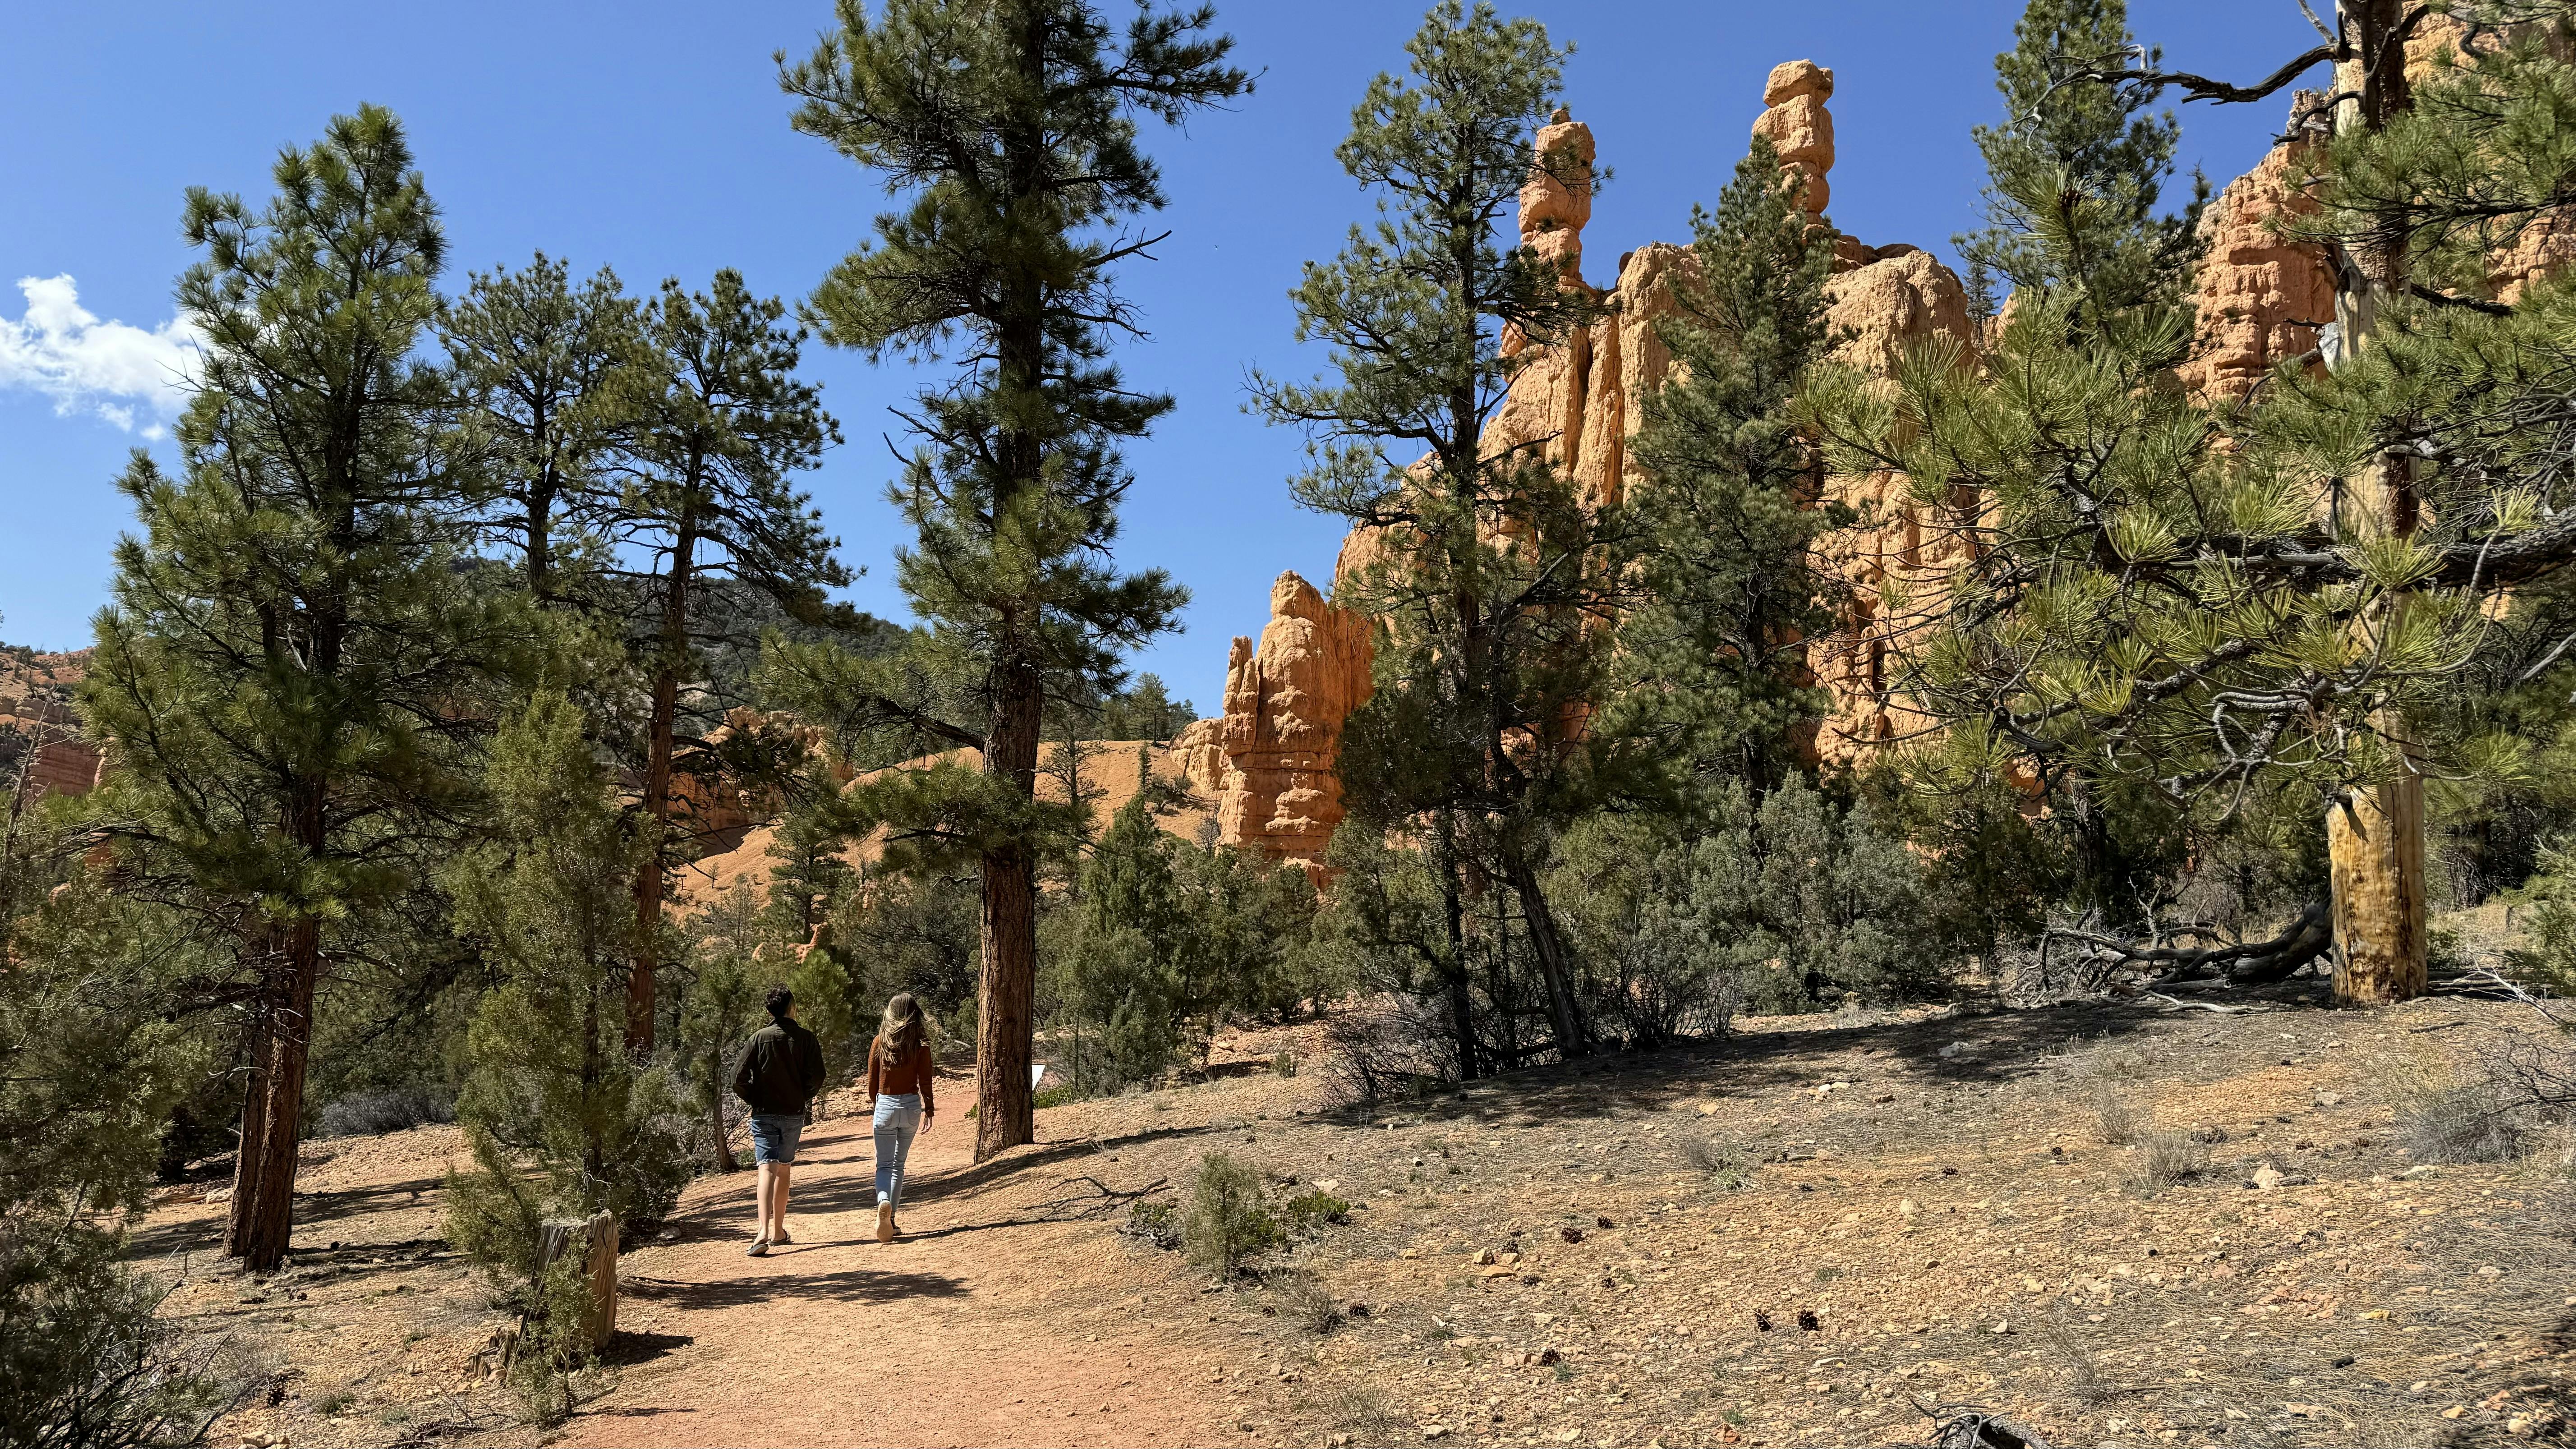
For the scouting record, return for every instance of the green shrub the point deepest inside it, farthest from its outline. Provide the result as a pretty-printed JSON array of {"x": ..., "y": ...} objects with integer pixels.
[
  {"x": 1777, "y": 904},
  {"x": 548, "y": 1081},
  {"x": 92, "y": 1064},
  {"x": 1167, "y": 940},
  {"x": 84, "y": 1359},
  {"x": 496, "y": 1216},
  {"x": 1226, "y": 1221},
  {"x": 1312, "y": 1209},
  {"x": 553, "y": 1368},
  {"x": 1156, "y": 1222}
]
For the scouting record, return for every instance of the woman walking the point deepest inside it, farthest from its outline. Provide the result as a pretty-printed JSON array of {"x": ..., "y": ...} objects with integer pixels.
[{"x": 900, "y": 1088}]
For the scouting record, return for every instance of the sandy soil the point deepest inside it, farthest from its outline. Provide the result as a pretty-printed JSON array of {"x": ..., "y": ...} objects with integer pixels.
[
  {"x": 1907, "y": 1212},
  {"x": 993, "y": 1321}
]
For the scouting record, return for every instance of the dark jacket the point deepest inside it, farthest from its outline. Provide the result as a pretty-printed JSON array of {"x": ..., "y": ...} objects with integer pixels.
[{"x": 780, "y": 1070}]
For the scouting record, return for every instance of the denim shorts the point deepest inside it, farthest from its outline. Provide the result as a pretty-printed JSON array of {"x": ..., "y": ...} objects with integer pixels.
[{"x": 774, "y": 1136}]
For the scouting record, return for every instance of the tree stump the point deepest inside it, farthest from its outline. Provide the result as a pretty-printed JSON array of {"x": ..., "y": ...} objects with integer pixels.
[{"x": 593, "y": 1242}]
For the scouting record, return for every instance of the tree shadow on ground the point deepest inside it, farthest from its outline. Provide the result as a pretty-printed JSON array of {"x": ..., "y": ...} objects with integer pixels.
[
  {"x": 860, "y": 1191},
  {"x": 630, "y": 1349},
  {"x": 1962, "y": 1048},
  {"x": 324, "y": 1207},
  {"x": 313, "y": 1210},
  {"x": 849, "y": 1285}
]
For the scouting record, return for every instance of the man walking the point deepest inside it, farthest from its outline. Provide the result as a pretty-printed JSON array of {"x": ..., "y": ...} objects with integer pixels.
[{"x": 780, "y": 1071}]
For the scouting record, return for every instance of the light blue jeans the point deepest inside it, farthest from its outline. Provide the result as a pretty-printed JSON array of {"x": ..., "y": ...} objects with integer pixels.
[{"x": 898, "y": 1122}]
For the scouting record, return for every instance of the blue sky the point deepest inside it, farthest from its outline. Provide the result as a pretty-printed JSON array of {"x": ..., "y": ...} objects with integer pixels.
[{"x": 651, "y": 136}]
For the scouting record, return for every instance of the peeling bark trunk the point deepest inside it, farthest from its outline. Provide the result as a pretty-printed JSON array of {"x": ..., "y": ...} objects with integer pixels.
[
  {"x": 2375, "y": 834},
  {"x": 2375, "y": 841}
]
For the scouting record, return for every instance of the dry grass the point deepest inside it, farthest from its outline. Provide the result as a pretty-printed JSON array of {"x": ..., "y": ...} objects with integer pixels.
[
  {"x": 2166, "y": 1159},
  {"x": 1304, "y": 1300},
  {"x": 1728, "y": 1165},
  {"x": 2116, "y": 1119},
  {"x": 2083, "y": 1379},
  {"x": 1358, "y": 1410},
  {"x": 2453, "y": 1124}
]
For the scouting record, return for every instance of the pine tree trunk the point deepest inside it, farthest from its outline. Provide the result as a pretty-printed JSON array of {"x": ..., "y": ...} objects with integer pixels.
[
  {"x": 253, "y": 1137},
  {"x": 1554, "y": 965},
  {"x": 1006, "y": 997},
  {"x": 2375, "y": 834},
  {"x": 1005, "y": 1114},
  {"x": 1462, "y": 1005},
  {"x": 2375, "y": 839},
  {"x": 541, "y": 499},
  {"x": 716, "y": 1088},
  {"x": 267, "y": 1220},
  {"x": 657, "y": 793}
]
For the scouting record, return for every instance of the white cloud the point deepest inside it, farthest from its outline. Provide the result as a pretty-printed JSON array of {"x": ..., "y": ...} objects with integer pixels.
[{"x": 134, "y": 378}]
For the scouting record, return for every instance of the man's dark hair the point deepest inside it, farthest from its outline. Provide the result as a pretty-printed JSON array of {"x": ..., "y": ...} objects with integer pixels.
[{"x": 780, "y": 998}]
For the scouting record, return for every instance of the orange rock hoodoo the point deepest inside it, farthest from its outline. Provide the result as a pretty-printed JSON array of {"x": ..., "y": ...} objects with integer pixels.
[
  {"x": 2262, "y": 296},
  {"x": 1285, "y": 701},
  {"x": 1577, "y": 401}
]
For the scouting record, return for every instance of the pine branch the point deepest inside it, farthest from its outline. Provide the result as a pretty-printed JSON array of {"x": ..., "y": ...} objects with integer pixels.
[{"x": 2197, "y": 87}]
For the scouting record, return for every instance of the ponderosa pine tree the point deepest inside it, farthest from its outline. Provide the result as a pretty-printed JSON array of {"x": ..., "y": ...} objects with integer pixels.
[
  {"x": 1010, "y": 128},
  {"x": 293, "y": 655},
  {"x": 717, "y": 425},
  {"x": 1491, "y": 606},
  {"x": 1712, "y": 680},
  {"x": 1127, "y": 979},
  {"x": 2101, "y": 143},
  {"x": 540, "y": 366},
  {"x": 548, "y": 897},
  {"x": 2223, "y": 600},
  {"x": 2088, "y": 138}
]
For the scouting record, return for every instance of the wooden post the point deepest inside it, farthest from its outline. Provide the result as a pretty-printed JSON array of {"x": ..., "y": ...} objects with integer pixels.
[{"x": 594, "y": 1241}]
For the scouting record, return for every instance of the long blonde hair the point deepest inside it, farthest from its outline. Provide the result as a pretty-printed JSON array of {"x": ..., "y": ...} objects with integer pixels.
[{"x": 902, "y": 1029}]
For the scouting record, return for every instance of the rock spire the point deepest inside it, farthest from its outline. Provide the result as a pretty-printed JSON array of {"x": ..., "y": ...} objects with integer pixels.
[
  {"x": 1799, "y": 126},
  {"x": 1556, "y": 201}
]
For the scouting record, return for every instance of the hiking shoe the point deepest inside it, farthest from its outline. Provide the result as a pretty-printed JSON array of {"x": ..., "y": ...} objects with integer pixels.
[
  {"x": 885, "y": 1222},
  {"x": 759, "y": 1248}
]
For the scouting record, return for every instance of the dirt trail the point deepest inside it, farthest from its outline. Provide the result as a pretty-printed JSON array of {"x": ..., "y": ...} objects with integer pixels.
[{"x": 987, "y": 1324}]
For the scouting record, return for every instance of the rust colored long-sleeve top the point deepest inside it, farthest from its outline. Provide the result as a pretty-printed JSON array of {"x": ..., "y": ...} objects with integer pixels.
[{"x": 913, "y": 1074}]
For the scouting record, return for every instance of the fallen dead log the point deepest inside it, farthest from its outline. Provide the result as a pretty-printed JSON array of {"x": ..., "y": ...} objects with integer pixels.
[
  {"x": 2175, "y": 1003},
  {"x": 1101, "y": 1198},
  {"x": 2309, "y": 936}
]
